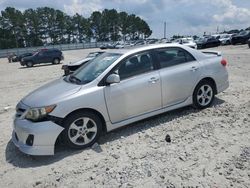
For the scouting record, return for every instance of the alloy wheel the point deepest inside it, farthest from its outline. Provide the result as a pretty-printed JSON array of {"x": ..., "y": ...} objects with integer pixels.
[
  {"x": 204, "y": 95},
  {"x": 82, "y": 131}
]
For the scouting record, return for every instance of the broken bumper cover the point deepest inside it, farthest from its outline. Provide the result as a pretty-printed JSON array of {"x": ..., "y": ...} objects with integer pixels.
[{"x": 35, "y": 138}]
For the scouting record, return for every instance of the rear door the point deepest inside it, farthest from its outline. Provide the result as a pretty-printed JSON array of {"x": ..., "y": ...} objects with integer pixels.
[
  {"x": 139, "y": 90},
  {"x": 179, "y": 73},
  {"x": 43, "y": 56}
]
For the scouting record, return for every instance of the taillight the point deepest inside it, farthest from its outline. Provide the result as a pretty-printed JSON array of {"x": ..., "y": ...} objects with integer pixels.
[{"x": 224, "y": 62}]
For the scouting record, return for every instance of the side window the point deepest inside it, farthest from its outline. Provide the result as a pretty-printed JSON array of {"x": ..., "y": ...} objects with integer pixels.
[
  {"x": 45, "y": 53},
  {"x": 173, "y": 56},
  {"x": 49, "y": 53},
  {"x": 41, "y": 53},
  {"x": 135, "y": 65}
]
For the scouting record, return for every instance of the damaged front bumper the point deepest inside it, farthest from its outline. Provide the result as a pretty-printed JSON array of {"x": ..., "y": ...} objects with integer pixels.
[{"x": 35, "y": 138}]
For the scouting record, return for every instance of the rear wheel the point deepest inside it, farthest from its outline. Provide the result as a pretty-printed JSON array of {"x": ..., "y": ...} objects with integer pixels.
[
  {"x": 56, "y": 61},
  {"x": 203, "y": 95},
  {"x": 29, "y": 64},
  {"x": 82, "y": 129}
]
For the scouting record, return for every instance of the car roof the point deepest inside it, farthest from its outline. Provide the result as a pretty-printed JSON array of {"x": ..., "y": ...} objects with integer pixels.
[{"x": 134, "y": 49}]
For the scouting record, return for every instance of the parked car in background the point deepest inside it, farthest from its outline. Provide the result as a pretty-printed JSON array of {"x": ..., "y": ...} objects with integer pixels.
[
  {"x": 116, "y": 88},
  {"x": 248, "y": 43},
  {"x": 108, "y": 46},
  {"x": 53, "y": 56},
  {"x": 241, "y": 38},
  {"x": 164, "y": 40},
  {"x": 140, "y": 42},
  {"x": 18, "y": 58},
  {"x": 187, "y": 42},
  {"x": 225, "y": 39},
  {"x": 73, "y": 66},
  {"x": 11, "y": 56},
  {"x": 207, "y": 42},
  {"x": 152, "y": 41},
  {"x": 119, "y": 44}
]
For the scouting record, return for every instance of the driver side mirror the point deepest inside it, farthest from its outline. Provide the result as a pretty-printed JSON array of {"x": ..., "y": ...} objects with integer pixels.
[{"x": 113, "y": 78}]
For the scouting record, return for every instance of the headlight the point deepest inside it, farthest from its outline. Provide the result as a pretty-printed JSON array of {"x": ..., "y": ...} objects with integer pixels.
[{"x": 36, "y": 114}]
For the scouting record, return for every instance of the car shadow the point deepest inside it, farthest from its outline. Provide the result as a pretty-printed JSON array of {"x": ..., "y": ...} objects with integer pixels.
[
  {"x": 40, "y": 65},
  {"x": 21, "y": 160}
]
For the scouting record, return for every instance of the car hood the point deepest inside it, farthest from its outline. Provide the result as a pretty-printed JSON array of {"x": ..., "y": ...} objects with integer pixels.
[
  {"x": 224, "y": 39},
  {"x": 27, "y": 58},
  {"x": 80, "y": 62},
  {"x": 239, "y": 36},
  {"x": 50, "y": 93},
  {"x": 200, "y": 42},
  {"x": 189, "y": 44}
]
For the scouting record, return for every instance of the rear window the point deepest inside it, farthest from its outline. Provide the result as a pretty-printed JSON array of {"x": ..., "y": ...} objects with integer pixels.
[{"x": 173, "y": 56}]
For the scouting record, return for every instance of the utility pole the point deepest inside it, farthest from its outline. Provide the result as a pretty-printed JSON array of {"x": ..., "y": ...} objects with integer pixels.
[{"x": 165, "y": 26}]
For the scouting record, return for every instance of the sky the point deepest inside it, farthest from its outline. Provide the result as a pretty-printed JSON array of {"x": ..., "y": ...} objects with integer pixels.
[{"x": 183, "y": 17}]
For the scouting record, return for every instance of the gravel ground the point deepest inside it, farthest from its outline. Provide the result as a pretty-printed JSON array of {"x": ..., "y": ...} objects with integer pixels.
[{"x": 208, "y": 148}]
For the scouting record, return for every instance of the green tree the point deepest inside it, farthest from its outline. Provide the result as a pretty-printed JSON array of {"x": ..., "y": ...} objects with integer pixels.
[
  {"x": 32, "y": 24},
  {"x": 44, "y": 25},
  {"x": 12, "y": 21}
]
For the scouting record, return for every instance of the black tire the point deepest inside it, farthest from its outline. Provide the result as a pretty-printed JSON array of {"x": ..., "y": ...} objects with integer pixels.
[
  {"x": 70, "y": 132},
  {"x": 56, "y": 61},
  {"x": 29, "y": 64},
  {"x": 203, "y": 100}
]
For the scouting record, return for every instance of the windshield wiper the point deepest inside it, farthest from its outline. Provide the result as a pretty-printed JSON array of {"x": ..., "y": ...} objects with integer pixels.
[{"x": 74, "y": 79}]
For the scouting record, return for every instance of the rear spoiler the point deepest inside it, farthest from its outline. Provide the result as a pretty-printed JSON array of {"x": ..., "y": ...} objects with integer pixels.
[{"x": 212, "y": 53}]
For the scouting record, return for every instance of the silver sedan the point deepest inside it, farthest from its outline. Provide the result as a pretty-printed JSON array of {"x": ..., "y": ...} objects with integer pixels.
[{"x": 115, "y": 89}]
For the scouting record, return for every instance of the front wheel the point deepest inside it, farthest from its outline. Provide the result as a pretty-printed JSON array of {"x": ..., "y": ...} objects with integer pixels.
[
  {"x": 56, "y": 61},
  {"x": 29, "y": 64},
  {"x": 203, "y": 95},
  {"x": 82, "y": 129}
]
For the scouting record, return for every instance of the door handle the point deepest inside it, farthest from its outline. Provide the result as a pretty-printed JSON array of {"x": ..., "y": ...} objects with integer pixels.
[
  {"x": 194, "y": 68},
  {"x": 153, "y": 80}
]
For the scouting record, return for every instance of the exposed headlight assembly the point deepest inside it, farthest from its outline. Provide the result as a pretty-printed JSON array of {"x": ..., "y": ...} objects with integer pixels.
[{"x": 35, "y": 114}]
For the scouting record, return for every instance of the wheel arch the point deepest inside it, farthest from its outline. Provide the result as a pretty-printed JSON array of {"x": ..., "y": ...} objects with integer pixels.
[
  {"x": 104, "y": 127},
  {"x": 29, "y": 61},
  {"x": 210, "y": 79}
]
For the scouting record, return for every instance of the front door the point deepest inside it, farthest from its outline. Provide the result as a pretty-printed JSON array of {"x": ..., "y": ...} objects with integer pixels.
[{"x": 138, "y": 92}]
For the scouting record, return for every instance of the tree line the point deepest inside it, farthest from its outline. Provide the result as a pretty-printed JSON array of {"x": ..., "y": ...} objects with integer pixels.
[{"x": 45, "y": 26}]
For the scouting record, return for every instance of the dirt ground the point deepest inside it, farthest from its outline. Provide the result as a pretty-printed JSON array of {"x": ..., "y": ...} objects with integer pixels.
[{"x": 209, "y": 148}]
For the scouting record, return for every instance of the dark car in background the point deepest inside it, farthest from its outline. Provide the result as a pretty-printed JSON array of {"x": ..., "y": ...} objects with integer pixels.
[
  {"x": 18, "y": 58},
  {"x": 73, "y": 66},
  {"x": 53, "y": 56},
  {"x": 241, "y": 38},
  {"x": 108, "y": 46},
  {"x": 248, "y": 42},
  {"x": 207, "y": 42}
]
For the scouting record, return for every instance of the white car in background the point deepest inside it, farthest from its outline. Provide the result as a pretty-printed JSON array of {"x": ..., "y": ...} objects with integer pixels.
[
  {"x": 115, "y": 89},
  {"x": 187, "y": 42},
  {"x": 73, "y": 66},
  {"x": 225, "y": 39}
]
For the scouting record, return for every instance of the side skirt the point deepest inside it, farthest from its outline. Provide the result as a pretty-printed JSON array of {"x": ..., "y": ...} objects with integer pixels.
[{"x": 111, "y": 126}]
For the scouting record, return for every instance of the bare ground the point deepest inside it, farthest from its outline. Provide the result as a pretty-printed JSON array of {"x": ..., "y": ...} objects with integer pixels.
[{"x": 209, "y": 148}]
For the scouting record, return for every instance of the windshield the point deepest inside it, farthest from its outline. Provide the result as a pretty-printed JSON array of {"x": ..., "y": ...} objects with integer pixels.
[
  {"x": 202, "y": 40},
  {"x": 243, "y": 33},
  {"x": 91, "y": 70}
]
